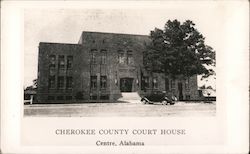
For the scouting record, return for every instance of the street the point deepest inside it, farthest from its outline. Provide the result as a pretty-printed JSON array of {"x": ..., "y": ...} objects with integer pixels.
[{"x": 126, "y": 109}]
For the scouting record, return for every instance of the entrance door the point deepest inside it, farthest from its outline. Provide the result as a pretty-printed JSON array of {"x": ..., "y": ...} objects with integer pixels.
[
  {"x": 180, "y": 91},
  {"x": 126, "y": 84}
]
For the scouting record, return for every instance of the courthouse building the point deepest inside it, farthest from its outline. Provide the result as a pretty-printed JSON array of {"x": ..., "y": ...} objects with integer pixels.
[{"x": 101, "y": 67}]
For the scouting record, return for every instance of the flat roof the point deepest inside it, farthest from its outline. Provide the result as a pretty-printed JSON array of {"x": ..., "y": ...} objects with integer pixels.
[
  {"x": 55, "y": 43},
  {"x": 112, "y": 33}
]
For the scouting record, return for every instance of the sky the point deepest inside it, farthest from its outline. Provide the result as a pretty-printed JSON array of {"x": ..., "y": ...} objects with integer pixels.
[{"x": 64, "y": 25}]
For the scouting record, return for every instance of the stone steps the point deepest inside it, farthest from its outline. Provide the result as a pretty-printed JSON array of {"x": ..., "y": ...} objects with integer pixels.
[{"x": 130, "y": 97}]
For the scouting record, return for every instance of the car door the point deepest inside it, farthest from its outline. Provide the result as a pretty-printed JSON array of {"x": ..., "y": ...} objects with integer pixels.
[{"x": 161, "y": 96}]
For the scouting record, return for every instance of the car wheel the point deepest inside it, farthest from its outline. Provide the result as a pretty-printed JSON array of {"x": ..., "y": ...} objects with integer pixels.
[
  {"x": 144, "y": 101},
  {"x": 164, "y": 102}
]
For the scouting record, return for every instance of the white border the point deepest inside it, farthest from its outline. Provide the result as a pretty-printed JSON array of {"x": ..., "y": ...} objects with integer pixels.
[{"x": 233, "y": 76}]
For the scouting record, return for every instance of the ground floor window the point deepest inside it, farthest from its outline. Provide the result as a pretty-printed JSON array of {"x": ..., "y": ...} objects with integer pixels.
[
  {"x": 144, "y": 82},
  {"x": 93, "y": 97},
  {"x": 187, "y": 82},
  {"x": 51, "y": 97},
  {"x": 104, "y": 97},
  {"x": 167, "y": 84},
  {"x": 68, "y": 97},
  {"x": 172, "y": 84},
  {"x": 93, "y": 82},
  {"x": 60, "y": 98},
  {"x": 60, "y": 82},
  {"x": 52, "y": 81},
  {"x": 103, "y": 82},
  {"x": 155, "y": 82},
  {"x": 69, "y": 82}
]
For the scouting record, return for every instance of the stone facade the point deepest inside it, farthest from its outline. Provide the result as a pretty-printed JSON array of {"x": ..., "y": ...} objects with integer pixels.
[{"x": 99, "y": 68}]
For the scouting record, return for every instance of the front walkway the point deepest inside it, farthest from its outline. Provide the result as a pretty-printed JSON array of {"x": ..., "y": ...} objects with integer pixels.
[{"x": 180, "y": 109}]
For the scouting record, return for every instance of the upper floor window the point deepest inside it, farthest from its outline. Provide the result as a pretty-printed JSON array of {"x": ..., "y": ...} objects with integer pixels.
[
  {"x": 52, "y": 82},
  {"x": 93, "y": 56},
  {"x": 69, "y": 82},
  {"x": 155, "y": 82},
  {"x": 125, "y": 57},
  {"x": 103, "y": 56},
  {"x": 69, "y": 62},
  {"x": 52, "y": 61},
  {"x": 93, "y": 82},
  {"x": 130, "y": 58},
  {"x": 103, "y": 82},
  {"x": 61, "y": 62},
  {"x": 121, "y": 57}
]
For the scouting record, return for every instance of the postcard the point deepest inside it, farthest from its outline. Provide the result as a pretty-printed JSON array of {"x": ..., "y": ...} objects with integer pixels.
[{"x": 125, "y": 77}]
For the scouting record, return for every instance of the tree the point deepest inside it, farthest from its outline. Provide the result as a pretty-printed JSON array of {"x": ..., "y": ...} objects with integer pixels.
[
  {"x": 203, "y": 87},
  {"x": 179, "y": 50}
]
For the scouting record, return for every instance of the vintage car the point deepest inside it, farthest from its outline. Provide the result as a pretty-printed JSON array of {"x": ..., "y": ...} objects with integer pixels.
[{"x": 159, "y": 96}]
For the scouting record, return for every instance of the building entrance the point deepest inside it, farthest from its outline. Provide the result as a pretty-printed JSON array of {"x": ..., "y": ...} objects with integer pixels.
[{"x": 126, "y": 84}]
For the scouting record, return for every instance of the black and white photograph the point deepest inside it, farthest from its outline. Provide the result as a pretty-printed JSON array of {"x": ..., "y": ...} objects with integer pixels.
[
  {"x": 119, "y": 62},
  {"x": 125, "y": 77}
]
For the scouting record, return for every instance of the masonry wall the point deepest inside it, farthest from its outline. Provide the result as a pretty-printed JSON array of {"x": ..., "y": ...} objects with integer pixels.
[
  {"x": 83, "y": 68},
  {"x": 46, "y": 94},
  {"x": 113, "y": 44}
]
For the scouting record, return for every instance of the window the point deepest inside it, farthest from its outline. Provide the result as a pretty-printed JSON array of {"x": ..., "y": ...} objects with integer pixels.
[
  {"x": 52, "y": 61},
  {"x": 104, "y": 97},
  {"x": 94, "y": 97},
  {"x": 93, "y": 82},
  {"x": 69, "y": 62},
  {"x": 125, "y": 58},
  {"x": 173, "y": 84},
  {"x": 68, "y": 97},
  {"x": 145, "y": 83},
  {"x": 52, "y": 81},
  {"x": 93, "y": 54},
  {"x": 121, "y": 57},
  {"x": 130, "y": 58},
  {"x": 69, "y": 82},
  {"x": 167, "y": 84},
  {"x": 60, "y": 98},
  {"x": 51, "y": 98},
  {"x": 187, "y": 84},
  {"x": 155, "y": 82},
  {"x": 103, "y": 56},
  {"x": 60, "y": 82},
  {"x": 103, "y": 82},
  {"x": 61, "y": 62}
]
